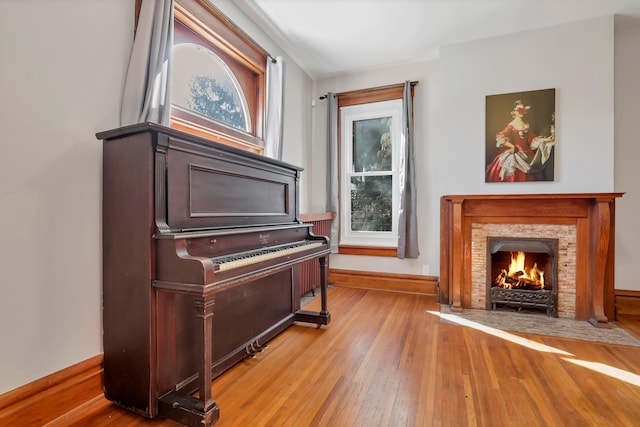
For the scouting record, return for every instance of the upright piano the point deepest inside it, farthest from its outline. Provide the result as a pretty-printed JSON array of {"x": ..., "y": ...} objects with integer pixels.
[{"x": 202, "y": 247}]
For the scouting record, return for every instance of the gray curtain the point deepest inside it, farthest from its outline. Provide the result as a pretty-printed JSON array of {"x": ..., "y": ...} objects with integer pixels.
[
  {"x": 147, "y": 94},
  {"x": 273, "y": 123},
  {"x": 333, "y": 204},
  {"x": 407, "y": 219}
]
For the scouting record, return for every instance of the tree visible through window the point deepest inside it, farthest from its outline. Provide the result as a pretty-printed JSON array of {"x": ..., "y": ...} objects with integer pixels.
[
  {"x": 371, "y": 196},
  {"x": 212, "y": 99},
  {"x": 204, "y": 84}
]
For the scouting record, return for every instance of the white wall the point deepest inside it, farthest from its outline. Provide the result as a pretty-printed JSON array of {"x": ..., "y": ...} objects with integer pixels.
[
  {"x": 296, "y": 138},
  {"x": 576, "y": 59},
  {"x": 627, "y": 151},
  {"x": 63, "y": 65}
]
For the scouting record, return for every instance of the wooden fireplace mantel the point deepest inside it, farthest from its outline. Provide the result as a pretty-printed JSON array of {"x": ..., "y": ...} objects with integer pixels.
[{"x": 593, "y": 214}]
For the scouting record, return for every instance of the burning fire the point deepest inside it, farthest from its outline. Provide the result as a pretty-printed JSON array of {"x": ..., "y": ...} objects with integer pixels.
[{"x": 519, "y": 276}]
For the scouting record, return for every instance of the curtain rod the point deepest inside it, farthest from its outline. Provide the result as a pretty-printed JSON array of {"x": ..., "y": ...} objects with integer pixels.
[{"x": 372, "y": 89}]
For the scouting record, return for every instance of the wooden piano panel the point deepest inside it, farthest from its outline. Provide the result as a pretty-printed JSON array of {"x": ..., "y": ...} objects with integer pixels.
[
  {"x": 243, "y": 196},
  {"x": 270, "y": 300},
  {"x": 128, "y": 263},
  {"x": 213, "y": 190}
]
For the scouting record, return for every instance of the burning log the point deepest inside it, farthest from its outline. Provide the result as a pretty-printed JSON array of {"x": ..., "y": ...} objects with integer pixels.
[
  {"x": 509, "y": 282},
  {"x": 526, "y": 283},
  {"x": 518, "y": 278}
]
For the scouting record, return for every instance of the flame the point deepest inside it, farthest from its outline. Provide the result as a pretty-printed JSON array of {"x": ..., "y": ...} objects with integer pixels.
[{"x": 519, "y": 276}]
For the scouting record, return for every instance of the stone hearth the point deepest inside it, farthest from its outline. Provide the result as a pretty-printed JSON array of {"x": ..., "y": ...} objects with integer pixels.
[{"x": 582, "y": 223}]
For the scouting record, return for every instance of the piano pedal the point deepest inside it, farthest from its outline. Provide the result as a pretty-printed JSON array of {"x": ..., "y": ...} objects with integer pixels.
[
  {"x": 257, "y": 346},
  {"x": 253, "y": 348},
  {"x": 250, "y": 352}
]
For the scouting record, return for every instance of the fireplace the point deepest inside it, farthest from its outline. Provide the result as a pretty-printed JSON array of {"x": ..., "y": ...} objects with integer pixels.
[
  {"x": 522, "y": 274},
  {"x": 583, "y": 223}
]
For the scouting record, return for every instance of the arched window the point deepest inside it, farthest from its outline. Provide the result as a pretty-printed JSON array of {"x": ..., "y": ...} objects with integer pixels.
[{"x": 218, "y": 82}]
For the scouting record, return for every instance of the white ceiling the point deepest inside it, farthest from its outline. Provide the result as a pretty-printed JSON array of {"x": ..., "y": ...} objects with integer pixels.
[{"x": 327, "y": 37}]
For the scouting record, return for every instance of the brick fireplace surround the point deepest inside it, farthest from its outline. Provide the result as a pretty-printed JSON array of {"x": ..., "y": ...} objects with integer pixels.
[{"x": 582, "y": 223}]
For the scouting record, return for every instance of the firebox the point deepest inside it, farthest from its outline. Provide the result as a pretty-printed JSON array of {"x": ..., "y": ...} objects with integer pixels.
[{"x": 522, "y": 273}]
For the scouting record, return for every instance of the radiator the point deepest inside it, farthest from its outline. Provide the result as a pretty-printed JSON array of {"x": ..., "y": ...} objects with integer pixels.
[{"x": 310, "y": 270}]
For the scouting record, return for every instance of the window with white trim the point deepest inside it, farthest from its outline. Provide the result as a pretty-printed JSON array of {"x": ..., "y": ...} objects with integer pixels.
[{"x": 370, "y": 135}]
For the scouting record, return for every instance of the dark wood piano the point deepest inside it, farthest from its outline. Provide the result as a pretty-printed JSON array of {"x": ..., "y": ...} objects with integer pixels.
[{"x": 202, "y": 247}]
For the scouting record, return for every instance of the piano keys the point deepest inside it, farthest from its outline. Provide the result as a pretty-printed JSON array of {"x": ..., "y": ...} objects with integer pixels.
[
  {"x": 202, "y": 248},
  {"x": 229, "y": 262}
]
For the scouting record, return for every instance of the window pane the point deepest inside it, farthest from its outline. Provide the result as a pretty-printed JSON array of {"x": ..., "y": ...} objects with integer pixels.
[
  {"x": 202, "y": 83},
  {"x": 371, "y": 199},
  {"x": 372, "y": 145}
]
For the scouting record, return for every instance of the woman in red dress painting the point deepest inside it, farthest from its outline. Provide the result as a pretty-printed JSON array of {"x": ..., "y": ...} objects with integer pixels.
[{"x": 522, "y": 154}]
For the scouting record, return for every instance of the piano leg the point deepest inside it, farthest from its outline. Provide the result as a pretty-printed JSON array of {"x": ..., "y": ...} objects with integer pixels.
[
  {"x": 324, "y": 273},
  {"x": 182, "y": 407},
  {"x": 204, "y": 311},
  {"x": 323, "y": 317}
]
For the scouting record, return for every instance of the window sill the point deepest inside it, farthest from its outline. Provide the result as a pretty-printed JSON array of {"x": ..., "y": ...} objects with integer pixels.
[
  {"x": 367, "y": 250},
  {"x": 244, "y": 142}
]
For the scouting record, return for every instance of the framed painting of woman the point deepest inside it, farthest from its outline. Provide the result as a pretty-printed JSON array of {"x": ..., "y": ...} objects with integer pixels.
[{"x": 520, "y": 136}]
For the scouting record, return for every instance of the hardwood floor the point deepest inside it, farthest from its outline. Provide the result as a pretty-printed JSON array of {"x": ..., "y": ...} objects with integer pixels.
[
  {"x": 630, "y": 322},
  {"x": 385, "y": 360}
]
